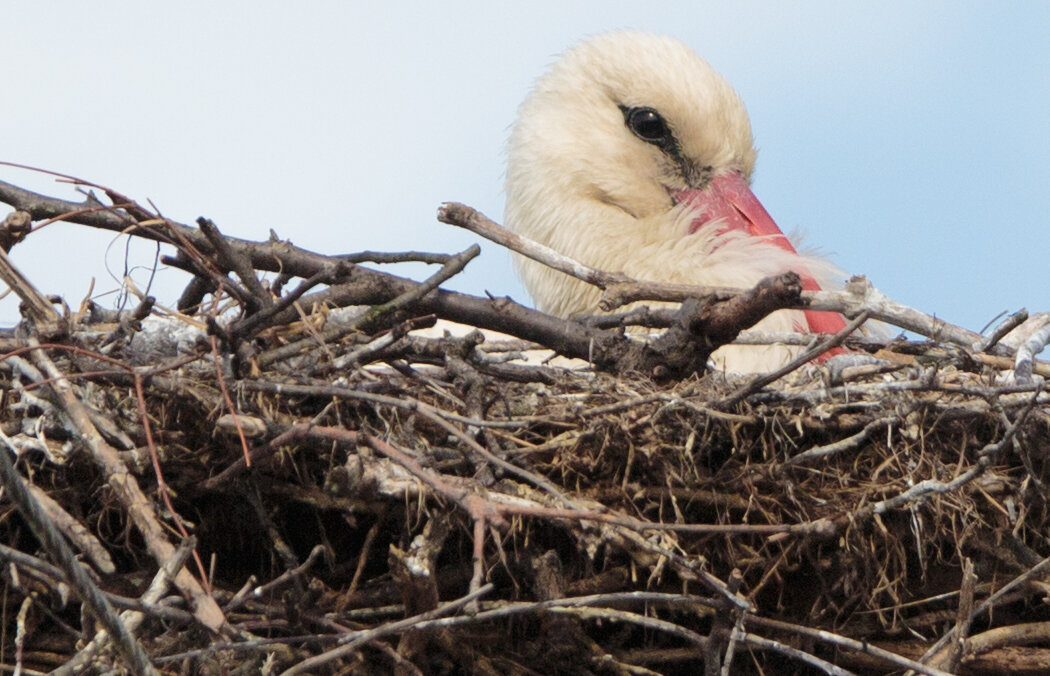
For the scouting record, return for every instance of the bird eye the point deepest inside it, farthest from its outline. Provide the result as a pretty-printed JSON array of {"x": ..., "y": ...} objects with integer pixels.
[{"x": 649, "y": 125}]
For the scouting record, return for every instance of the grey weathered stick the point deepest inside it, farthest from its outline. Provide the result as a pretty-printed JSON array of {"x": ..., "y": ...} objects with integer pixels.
[
  {"x": 126, "y": 487},
  {"x": 1027, "y": 351},
  {"x": 842, "y": 445},
  {"x": 358, "y": 638},
  {"x": 471, "y": 219},
  {"x": 1005, "y": 327},
  {"x": 130, "y": 649},
  {"x": 36, "y": 306},
  {"x": 131, "y": 618},
  {"x": 843, "y": 642},
  {"x": 74, "y": 531}
]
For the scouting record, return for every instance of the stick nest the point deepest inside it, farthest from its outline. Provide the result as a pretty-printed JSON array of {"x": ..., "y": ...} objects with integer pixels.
[{"x": 332, "y": 492}]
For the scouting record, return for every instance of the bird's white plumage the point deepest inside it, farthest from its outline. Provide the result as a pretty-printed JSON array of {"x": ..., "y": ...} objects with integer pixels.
[{"x": 580, "y": 182}]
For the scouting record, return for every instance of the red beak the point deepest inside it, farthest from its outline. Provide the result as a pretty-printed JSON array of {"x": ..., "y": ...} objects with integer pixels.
[{"x": 729, "y": 198}]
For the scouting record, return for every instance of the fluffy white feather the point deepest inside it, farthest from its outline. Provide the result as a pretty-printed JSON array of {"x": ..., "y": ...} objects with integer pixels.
[{"x": 579, "y": 181}]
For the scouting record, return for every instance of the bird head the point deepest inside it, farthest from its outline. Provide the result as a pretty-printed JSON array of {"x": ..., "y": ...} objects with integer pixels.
[
  {"x": 633, "y": 120},
  {"x": 631, "y": 154}
]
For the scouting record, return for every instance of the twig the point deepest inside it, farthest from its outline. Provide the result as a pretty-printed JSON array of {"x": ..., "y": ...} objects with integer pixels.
[
  {"x": 256, "y": 297},
  {"x": 1027, "y": 633},
  {"x": 395, "y": 257},
  {"x": 800, "y": 655},
  {"x": 1027, "y": 351},
  {"x": 436, "y": 415},
  {"x": 249, "y": 325},
  {"x": 368, "y": 351},
  {"x": 758, "y": 382},
  {"x": 132, "y": 618},
  {"x": 471, "y": 219},
  {"x": 1005, "y": 327},
  {"x": 921, "y": 490},
  {"x": 355, "y": 640},
  {"x": 289, "y": 575},
  {"x": 844, "y": 642},
  {"x": 475, "y": 505},
  {"x": 38, "y": 308},
  {"x": 362, "y": 557},
  {"x": 369, "y": 319},
  {"x": 493, "y": 508},
  {"x": 126, "y": 487},
  {"x": 32, "y": 563},
  {"x": 842, "y": 445},
  {"x": 220, "y": 378},
  {"x": 578, "y": 607},
  {"x": 451, "y": 267},
  {"x": 130, "y": 649},
  {"x": 953, "y": 650},
  {"x": 14, "y": 228},
  {"x": 256, "y": 454},
  {"x": 62, "y": 520},
  {"x": 274, "y": 256},
  {"x": 725, "y": 629},
  {"x": 1040, "y": 568}
]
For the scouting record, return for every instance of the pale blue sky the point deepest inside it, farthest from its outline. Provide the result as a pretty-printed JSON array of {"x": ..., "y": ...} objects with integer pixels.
[{"x": 908, "y": 140}]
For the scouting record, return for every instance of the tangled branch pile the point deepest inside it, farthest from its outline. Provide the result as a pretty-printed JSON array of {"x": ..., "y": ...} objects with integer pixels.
[{"x": 269, "y": 483}]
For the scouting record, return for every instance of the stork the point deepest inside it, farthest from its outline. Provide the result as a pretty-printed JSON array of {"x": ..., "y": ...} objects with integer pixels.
[{"x": 631, "y": 154}]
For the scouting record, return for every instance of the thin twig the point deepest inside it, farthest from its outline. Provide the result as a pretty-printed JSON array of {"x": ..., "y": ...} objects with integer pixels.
[
  {"x": 758, "y": 382},
  {"x": 355, "y": 640},
  {"x": 848, "y": 444}
]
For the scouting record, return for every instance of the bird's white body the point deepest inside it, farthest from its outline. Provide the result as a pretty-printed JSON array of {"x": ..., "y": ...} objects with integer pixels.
[{"x": 582, "y": 182}]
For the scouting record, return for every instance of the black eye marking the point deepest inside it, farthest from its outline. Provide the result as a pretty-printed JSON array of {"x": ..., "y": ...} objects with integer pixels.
[{"x": 650, "y": 126}]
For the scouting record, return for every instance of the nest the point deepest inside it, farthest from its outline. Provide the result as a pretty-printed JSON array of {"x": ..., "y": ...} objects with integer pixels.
[{"x": 266, "y": 483}]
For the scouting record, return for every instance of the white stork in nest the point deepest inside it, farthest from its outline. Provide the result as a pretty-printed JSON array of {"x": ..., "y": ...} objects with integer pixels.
[{"x": 633, "y": 155}]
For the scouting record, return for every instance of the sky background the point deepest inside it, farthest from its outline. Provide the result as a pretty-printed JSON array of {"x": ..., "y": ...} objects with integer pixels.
[{"x": 909, "y": 141}]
